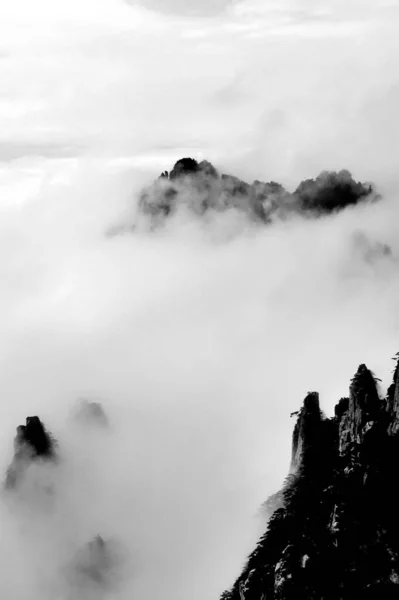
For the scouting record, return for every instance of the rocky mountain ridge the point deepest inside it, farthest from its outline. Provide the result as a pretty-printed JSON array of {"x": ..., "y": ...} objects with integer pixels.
[
  {"x": 200, "y": 189},
  {"x": 334, "y": 531}
]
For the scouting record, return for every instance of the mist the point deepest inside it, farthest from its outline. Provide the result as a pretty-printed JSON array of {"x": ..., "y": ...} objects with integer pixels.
[{"x": 200, "y": 339}]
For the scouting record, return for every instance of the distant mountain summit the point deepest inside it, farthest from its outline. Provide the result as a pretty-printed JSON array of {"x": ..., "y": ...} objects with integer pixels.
[
  {"x": 200, "y": 189},
  {"x": 334, "y": 529},
  {"x": 32, "y": 443}
]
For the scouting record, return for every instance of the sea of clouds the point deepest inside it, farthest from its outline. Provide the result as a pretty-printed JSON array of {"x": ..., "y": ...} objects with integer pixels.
[{"x": 199, "y": 339}]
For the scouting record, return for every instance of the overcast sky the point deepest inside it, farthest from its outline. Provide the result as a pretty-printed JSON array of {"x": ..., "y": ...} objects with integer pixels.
[
  {"x": 199, "y": 341},
  {"x": 277, "y": 88}
]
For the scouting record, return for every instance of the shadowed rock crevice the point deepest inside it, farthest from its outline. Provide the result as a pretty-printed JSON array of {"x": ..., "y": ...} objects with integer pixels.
[{"x": 334, "y": 532}]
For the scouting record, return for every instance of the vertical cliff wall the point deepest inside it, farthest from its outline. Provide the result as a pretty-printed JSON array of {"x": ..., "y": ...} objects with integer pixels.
[{"x": 335, "y": 531}]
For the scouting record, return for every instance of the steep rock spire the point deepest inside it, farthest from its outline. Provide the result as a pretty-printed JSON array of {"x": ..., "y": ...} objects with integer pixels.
[
  {"x": 393, "y": 400},
  {"x": 364, "y": 407},
  {"x": 306, "y": 435},
  {"x": 31, "y": 443}
]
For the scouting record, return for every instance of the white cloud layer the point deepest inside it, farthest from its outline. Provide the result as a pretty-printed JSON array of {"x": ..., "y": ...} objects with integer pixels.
[{"x": 198, "y": 342}]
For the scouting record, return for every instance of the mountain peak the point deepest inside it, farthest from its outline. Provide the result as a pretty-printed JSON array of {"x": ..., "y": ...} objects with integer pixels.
[
  {"x": 33, "y": 439},
  {"x": 306, "y": 431},
  {"x": 199, "y": 188},
  {"x": 334, "y": 529},
  {"x": 364, "y": 407},
  {"x": 31, "y": 443}
]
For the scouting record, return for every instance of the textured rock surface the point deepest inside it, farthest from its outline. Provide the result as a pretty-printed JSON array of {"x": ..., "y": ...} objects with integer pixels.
[
  {"x": 393, "y": 402},
  {"x": 307, "y": 430},
  {"x": 363, "y": 409},
  {"x": 334, "y": 532},
  {"x": 199, "y": 188}
]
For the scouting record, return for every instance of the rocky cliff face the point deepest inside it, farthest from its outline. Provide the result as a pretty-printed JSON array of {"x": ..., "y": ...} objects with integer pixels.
[
  {"x": 200, "y": 189},
  {"x": 334, "y": 532}
]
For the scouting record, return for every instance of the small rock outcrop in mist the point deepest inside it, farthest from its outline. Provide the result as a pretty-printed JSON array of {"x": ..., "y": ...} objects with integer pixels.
[
  {"x": 334, "y": 529},
  {"x": 94, "y": 571},
  {"x": 32, "y": 443},
  {"x": 372, "y": 251},
  {"x": 199, "y": 188},
  {"x": 90, "y": 413}
]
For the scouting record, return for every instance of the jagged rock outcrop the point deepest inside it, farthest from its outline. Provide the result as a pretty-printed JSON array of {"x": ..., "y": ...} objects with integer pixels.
[
  {"x": 393, "y": 401},
  {"x": 363, "y": 409},
  {"x": 307, "y": 430},
  {"x": 200, "y": 188},
  {"x": 334, "y": 533},
  {"x": 33, "y": 443}
]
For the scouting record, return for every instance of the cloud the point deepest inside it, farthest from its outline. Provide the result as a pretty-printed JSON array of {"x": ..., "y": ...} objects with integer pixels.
[
  {"x": 200, "y": 340},
  {"x": 94, "y": 77},
  {"x": 198, "y": 344},
  {"x": 14, "y": 150},
  {"x": 193, "y": 8}
]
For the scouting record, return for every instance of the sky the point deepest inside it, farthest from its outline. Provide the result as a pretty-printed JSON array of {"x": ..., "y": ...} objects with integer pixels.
[{"x": 200, "y": 340}]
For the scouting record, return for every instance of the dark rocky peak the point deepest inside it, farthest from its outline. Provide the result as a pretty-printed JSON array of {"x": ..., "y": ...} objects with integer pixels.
[
  {"x": 334, "y": 529},
  {"x": 189, "y": 167},
  {"x": 364, "y": 408},
  {"x": 31, "y": 443},
  {"x": 183, "y": 167},
  {"x": 341, "y": 408},
  {"x": 363, "y": 385},
  {"x": 392, "y": 403},
  {"x": 306, "y": 436},
  {"x": 190, "y": 185},
  {"x": 363, "y": 393},
  {"x": 331, "y": 191},
  {"x": 198, "y": 187},
  {"x": 32, "y": 440}
]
